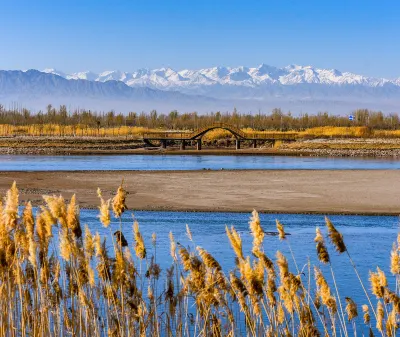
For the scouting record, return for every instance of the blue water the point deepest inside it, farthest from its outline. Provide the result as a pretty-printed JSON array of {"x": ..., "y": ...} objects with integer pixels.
[
  {"x": 192, "y": 162},
  {"x": 369, "y": 240}
]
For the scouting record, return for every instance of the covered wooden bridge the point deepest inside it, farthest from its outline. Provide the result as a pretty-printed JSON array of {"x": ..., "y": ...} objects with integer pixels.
[{"x": 185, "y": 138}]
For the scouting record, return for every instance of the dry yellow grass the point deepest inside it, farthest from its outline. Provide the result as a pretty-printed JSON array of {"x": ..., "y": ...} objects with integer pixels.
[
  {"x": 215, "y": 134},
  {"x": 73, "y": 285},
  {"x": 348, "y": 132},
  {"x": 340, "y": 132},
  {"x": 350, "y": 145},
  {"x": 387, "y": 133},
  {"x": 71, "y": 130}
]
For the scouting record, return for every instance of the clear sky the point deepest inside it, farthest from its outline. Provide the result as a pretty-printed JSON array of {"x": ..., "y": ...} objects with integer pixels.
[{"x": 77, "y": 35}]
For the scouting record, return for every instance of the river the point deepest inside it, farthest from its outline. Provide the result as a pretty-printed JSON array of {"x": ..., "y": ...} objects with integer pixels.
[
  {"x": 369, "y": 240},
  {"x": 189, "y": 162}
]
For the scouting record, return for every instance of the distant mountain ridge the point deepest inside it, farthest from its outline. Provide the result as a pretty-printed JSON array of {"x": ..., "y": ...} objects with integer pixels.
[
  {"x": 36, "y": 82},
  {"x": 294, "y": 88},
  {"x": 33, "y": 87},
  {"x": 168, "y": 78}
]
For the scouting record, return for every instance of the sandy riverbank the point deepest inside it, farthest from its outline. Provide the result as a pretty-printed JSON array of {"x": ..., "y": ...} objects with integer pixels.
[{"x": 347, "y": 192}]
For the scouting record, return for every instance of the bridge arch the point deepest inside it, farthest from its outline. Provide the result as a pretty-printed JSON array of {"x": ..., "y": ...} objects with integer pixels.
[{"x": 198, "y": 134}]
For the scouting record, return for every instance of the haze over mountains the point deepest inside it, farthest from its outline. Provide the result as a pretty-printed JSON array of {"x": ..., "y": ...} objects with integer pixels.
[{"x": 295, "y": 88}]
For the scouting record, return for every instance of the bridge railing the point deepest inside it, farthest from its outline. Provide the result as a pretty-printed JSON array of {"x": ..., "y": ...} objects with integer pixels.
[
  {"x": 166, "y": 135},
  {"x": 216, "y": 126}
]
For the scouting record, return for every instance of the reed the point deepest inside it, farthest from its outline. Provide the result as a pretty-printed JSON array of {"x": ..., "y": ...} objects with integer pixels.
[
  {"x": 57, "y": 279},
  {"x": 77, "y": 130},
  {"x": 136, "y": 132},
  {"x": 338, "y": 132}
]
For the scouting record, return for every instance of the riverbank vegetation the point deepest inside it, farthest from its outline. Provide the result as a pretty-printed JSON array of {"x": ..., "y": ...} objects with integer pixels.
[
  {"x": 60, "y": 131},
  {"x": 136, "y": 132},
  {"x": 60, "y": 277},
  {"x": 63, "y": 121}
]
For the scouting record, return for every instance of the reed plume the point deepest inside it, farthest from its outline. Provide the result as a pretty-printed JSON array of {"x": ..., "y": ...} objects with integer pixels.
[
  {"x": 324, "y": 291},
  {"x": 172, "y": 246},
  {"x": 118, "y": 202},
  {"x": 378, "y": 283},
  {"x": 184, "y": 255},
  {"x": 89, "y": 243},
  {"x": 236, "y": 241},
  {"x": 73, "y": 219},
  {"x": 10, "y": 211},
  {"x": 351, "y": 309},
  {"x": 391, "y": 323},
  {"x": 256, "y": 230},
  {"x": 53, "y": 281},
  {"x": 28, "y": 219},
  {"x": 104, "y": 208},
  {"x": 281, "y": 230},
  {"x": 395, "y": 260},
  {"x": 57, "y": 208},
  {"x": 208, "y": 259},
  {"x": 335, "y": 236},
  {"x": 322, "y": 251},
  {"x": 189, "y": 233},
  {"x": 140, "y": 248},
  {"x": 367, "y": 317},
  {"x": 380, "y": 312}
]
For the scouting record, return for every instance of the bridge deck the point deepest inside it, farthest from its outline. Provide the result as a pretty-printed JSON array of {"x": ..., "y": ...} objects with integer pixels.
[{"x": 244, "y": 136}]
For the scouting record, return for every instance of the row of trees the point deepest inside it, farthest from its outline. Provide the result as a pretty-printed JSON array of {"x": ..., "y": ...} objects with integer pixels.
[{"x": 276, "y": 120}]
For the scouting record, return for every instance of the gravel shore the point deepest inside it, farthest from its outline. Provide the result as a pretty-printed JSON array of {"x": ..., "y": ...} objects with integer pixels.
[{"x": 374, "y": 147}]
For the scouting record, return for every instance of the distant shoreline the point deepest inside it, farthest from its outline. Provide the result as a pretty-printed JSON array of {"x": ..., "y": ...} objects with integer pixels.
[
  {"x": 322, "y": 147},
  {"x": 347, "y": 192},
  {"x": 159, "y": 152},
  {"x": 382, "y": 154}
]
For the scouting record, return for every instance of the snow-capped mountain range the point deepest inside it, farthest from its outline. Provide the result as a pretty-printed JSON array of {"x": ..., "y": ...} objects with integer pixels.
[
  {"x": 170, "y": 79},
  {"x": 294, "y": 88}
]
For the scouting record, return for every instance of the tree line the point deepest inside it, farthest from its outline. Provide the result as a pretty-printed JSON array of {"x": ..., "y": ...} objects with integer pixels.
[{"x": 174, "y": 120}]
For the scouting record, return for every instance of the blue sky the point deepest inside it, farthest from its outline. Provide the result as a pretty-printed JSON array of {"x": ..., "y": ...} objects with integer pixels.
[{"x": 76, "y": 35}]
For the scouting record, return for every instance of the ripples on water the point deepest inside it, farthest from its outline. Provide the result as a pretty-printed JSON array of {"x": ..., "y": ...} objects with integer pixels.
[
  {"x": 192, "y": 162},
  {"x": 368, "y": 238}
]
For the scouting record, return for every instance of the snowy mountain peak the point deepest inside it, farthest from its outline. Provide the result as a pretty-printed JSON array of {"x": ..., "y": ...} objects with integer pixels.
[
  {"x": 293, "y": 87},
  {"x": 169, "y": 79},
  {"x": 54, "y": 71}
]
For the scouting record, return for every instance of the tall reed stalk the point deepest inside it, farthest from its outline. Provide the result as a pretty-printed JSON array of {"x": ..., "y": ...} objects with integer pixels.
[{"x": 69, "y": 284}]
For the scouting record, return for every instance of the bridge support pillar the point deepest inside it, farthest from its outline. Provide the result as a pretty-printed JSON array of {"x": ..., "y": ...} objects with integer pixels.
[
  {"x": 254, "y": 143},
  {"x": 198, "y": 144},
  {"x": 183, "y": 144},
  {"x": 164, "y": 143},
  {"x": 237, "y": 144}
]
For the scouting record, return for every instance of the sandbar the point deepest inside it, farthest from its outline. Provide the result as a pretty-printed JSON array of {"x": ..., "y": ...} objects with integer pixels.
[{"x": 370, "y": 192}]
